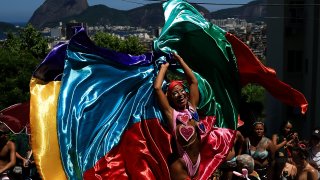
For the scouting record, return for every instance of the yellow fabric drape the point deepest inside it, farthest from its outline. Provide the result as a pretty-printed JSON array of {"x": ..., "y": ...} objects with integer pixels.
[{"x": 43, "y": 123}]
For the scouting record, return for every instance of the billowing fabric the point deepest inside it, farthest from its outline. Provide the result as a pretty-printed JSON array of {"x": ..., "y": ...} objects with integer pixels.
[
  {"x": 102, "y": 98},
  {"x": 51, "y": 68},
  {"x": 102, "y": 94},
  {"x": 205, "y": 49},
  {"x": 43, "y": 123},
  {"x": 102, "y": 121},
  {"x": 44, "y": 92},
  {"x": 253, "y": 71}
]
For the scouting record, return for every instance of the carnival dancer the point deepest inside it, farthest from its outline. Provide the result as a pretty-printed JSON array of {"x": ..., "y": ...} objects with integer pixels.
[{"x": 179, "y": 108}]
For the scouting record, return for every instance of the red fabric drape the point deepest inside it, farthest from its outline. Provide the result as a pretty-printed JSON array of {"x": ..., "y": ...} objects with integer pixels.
[
  {"x": 253, "y": 71},
  {"x": 144, "y": 150}
]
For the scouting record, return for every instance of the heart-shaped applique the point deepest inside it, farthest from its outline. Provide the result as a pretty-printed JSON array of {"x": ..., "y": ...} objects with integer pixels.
[
  {"x": 184, "y": 118},
  {"x": 186, "y": 132}
]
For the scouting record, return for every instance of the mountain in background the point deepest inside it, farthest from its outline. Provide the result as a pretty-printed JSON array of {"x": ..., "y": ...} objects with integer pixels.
[
  {"x": 54, "y": 10},
  {"x": 253, "y": 11},
  {"x": 6, "y": 27},
  {"x": 145, "y": 16},
  {"x": 51, "y": 12},
  {"x": 148, "y": 15}
]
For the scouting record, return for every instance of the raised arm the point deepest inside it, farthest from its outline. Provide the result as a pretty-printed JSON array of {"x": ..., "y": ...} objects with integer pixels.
[
  {"x": 161, "y": 97},
  {"x": 192, "y": 81},
  {"x": 275, "y": 142}
]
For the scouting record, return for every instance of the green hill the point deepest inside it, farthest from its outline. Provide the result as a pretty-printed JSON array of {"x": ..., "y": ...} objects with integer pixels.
[{"x": 4, "y": 27}]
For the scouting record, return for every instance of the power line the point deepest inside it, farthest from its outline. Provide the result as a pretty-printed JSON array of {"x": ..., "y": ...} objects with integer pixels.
[
  {"x": 237, "y": 4},
  {"x": 241, "y": 4},
  {"x": 248, "y": 4},
  {"x": 230, "y": 4},
  {"x": 269, "y": 17}
]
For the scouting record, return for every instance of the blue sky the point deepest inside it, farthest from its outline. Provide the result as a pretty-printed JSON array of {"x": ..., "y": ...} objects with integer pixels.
[{"x": 22, "y": 10}]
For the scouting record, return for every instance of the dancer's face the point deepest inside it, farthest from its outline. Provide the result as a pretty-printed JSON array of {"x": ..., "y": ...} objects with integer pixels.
[{"x": 179, "y": 97}]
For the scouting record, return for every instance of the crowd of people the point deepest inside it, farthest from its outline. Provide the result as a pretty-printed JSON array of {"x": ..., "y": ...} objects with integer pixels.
[
  {"x": 284, "y": 156},
  {"x": 16, "y": 160}
]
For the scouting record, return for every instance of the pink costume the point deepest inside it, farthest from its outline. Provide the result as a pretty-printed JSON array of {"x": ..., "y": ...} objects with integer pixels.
[{"x": 186, "y": 131}]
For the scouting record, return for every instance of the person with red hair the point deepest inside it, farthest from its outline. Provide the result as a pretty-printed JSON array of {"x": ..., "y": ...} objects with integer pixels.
[{"x": 179, "y": 109}]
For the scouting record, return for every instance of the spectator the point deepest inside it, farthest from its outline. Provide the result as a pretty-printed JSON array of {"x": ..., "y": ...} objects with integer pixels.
[
  {"x": 24, "y": 157},
  {"x": 314, "y": 149},
  {"x": 7, "y": 153},
  {"x": 304, "y": 170},
  {"x": 281, "y": 141},
  {"x": 262, "y": 151},
  {"x": 245, "y": 161}
]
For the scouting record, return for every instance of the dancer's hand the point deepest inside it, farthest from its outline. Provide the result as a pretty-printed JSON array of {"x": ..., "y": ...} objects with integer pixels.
[
  {"x": 176, "y": 56},
  {"x": 25, "y": 162},
  {"x": 165, "y": 65}
]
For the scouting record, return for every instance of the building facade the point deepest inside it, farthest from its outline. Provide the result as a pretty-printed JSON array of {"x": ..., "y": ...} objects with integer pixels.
[{"x": 293, "y": 50}]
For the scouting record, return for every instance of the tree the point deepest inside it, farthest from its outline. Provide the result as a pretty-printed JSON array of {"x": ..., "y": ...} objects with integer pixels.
[
  {"x": 27, "y": 40},
  {"x": 253, "y": 96},
  {"x": 33, "y": 41},
  {"x": 107, "y": 40},
  {"x": 130, "y": 45},
  {"x": 15, "y": 74},
  {"x": 19, "y": 56},
  {"x": 12, "y": 43},
  {"x": 253, "y": 93}
]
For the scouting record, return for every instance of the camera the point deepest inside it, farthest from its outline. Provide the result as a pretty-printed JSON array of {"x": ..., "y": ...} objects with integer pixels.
[{"x": 290, "y": 136}]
